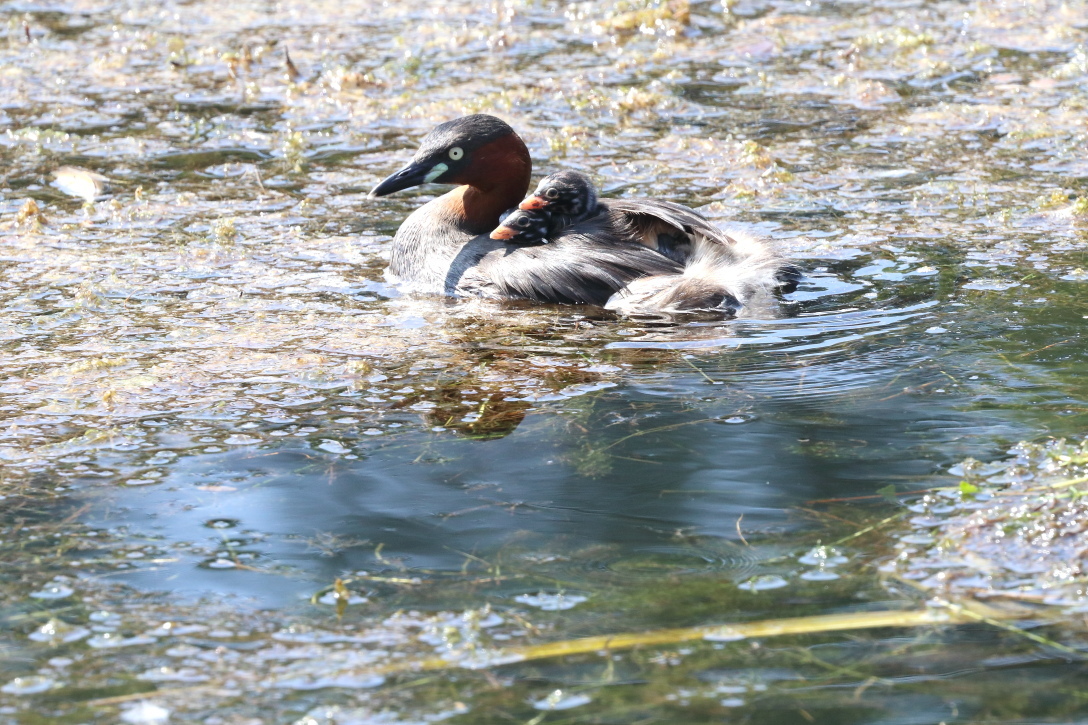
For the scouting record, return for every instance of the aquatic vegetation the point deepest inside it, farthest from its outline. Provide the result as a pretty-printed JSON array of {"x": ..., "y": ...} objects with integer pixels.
[
  {"x": 1012, "y": 529},
  {"x": 648, "y": 17}
]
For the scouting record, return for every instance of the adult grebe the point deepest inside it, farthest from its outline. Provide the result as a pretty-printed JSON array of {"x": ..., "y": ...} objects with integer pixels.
[{"x": 635, "y": 256}]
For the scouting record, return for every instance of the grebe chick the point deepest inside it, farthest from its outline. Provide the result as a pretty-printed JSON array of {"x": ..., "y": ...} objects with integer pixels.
[
  {"x": 568, "y": 196},
  {"x": 560, "y": 200},
  {"x": 524, "y": 227}
]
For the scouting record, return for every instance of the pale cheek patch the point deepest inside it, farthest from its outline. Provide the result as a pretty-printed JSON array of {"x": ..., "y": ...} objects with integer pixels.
[{"x": 434, "y": 173}]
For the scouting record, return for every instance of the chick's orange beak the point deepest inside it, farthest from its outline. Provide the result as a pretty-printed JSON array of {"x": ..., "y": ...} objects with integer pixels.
[
  {"x": 503, "y": 233},
  {"x": 533, "y": 203}
]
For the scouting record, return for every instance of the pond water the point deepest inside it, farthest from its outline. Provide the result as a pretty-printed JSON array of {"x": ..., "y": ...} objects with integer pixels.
[{"x": 215, "y": 409}]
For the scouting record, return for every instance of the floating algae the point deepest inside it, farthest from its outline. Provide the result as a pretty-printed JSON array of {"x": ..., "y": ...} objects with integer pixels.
[{"x": 1013, "y": 530}]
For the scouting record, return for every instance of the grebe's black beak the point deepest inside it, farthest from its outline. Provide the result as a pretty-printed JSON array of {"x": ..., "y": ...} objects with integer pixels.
[{"x": 414, "y": 174}]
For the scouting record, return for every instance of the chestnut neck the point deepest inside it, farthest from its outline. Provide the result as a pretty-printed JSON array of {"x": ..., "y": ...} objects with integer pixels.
[{"x": 495, "y": 181}]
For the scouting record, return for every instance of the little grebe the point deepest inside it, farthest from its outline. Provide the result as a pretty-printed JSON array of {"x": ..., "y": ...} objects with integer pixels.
[
  {"x": 569, "y": 196},
  {"x": 561, "y": 199},
  {"x": 523, "y": 226},
  {"x": 634, "y": 255}
]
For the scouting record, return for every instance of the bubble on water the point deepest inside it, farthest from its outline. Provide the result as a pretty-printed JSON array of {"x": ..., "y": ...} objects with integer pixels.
[
  {"x": 175, "y": 629},
  {"x": 551, "y": 602},
  {"x": 481, "y": 659},
  {"x": 241, "y": 440},
  {"x": 731, "y": 689},
  {"x": 819, "y": 575},
  {"x": 823, "y": 556},
  {"x": 331, "y": 446},
  {"x": 221, "y": 523},
  {"x": 736, "y": 419},
  {"x": 301, "y": 635},
  {"x": 333, "y": 598},
  {"x": 110, "y": 640},
  {"x": 56, "y": 631},
  {"x": 221, "y": 564},
  {"x": 53, "y": 591},
  {"x": 559, "y": 700},
  {"x": 30, "y": 685},
  {"x": 763, "y": 583},
  {"x": 145, "y": 713},
  {"x": 991, "y": 285},
  {"x": 169, "y": 674},
  {"x": 105, "y": 617}
]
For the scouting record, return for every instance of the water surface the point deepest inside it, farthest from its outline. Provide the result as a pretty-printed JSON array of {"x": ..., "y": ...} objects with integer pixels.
[{"x": 214, "y": 406}]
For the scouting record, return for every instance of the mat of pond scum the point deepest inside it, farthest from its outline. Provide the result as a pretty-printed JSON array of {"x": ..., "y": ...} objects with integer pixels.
[{"x": 214, "y": 407}]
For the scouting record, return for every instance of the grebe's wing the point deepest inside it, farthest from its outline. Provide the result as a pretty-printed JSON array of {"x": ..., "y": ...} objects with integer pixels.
[
  {"x": 683, "y": 235},
  {"x": 576, "y": 268},
  {"x": 677, "y": 216}
]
